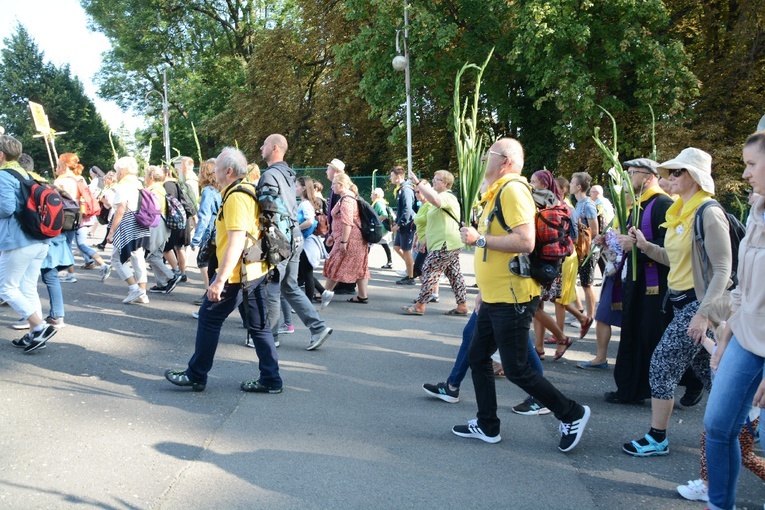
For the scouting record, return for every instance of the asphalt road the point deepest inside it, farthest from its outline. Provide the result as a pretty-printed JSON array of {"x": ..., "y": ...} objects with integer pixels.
[{"x": 90, "y": 422}]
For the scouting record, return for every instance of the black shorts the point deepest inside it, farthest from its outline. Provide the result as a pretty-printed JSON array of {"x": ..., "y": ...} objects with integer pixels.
[
  {"x": 178, "y": 238},
  {"x": 587, "y": 271}
]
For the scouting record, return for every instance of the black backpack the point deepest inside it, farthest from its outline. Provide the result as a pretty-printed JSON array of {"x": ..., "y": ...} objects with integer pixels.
[
  {"x": 371, "y": 226},
  {"x": 736, "y": 230}
]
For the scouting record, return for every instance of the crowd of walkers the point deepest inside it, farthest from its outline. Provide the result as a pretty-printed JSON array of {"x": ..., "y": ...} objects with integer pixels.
[{"x": 682, "y": 292}]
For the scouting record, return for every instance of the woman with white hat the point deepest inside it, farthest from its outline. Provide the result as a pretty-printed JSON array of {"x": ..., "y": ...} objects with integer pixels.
[{"x": 693, "y": 285}]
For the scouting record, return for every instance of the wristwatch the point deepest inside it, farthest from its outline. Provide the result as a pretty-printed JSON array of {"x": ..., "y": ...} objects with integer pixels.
[{"x": 481, "y": 242}]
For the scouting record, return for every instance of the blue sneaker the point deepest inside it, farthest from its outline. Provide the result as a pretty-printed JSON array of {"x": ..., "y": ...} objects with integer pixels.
[{"x": 652, "y": 448}]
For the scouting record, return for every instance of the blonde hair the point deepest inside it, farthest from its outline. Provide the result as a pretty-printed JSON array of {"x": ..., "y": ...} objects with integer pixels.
[
  {"x": 253, "y": 172},
  {"x": 207, "y": 174},
  {"x": 446, "y": 177}
]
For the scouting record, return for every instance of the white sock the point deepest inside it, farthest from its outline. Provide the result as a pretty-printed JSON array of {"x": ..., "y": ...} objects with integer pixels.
[
  {"x": 134, "y": 287},
  {"x": 38, "y": 328}
]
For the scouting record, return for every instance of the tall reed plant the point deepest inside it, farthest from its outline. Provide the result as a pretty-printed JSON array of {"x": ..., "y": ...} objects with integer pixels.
[{"x": 469, "y": 142}]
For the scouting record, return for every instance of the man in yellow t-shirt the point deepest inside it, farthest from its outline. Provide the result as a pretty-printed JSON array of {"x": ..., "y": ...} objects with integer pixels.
[
  {"x": 238, "y": 217},
  {"x": 509, "y": 302}
]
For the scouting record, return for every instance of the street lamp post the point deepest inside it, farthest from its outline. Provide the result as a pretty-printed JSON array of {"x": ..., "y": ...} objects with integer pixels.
[
  {"x": 165, "y": 114},
  {"x": 401, "y": 63}
]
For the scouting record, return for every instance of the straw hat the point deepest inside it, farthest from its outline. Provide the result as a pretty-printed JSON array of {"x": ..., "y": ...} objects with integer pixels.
[
  {"x": 697, "y": 162},
  {"x": 646, "y": 163},
  {"x": 337, "y": 164}
]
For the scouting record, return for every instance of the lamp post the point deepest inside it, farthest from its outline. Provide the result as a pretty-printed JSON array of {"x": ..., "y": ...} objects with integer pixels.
[
  {"x": 401, "y": 63},
  {"x": 165, "y": 114}
]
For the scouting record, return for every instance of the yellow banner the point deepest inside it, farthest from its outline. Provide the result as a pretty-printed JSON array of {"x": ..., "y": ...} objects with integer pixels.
[{"x": 41, "y": 120}]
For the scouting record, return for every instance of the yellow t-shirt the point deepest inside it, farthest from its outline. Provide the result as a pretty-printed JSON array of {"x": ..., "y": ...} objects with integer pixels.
[
  {"x": 158, "y": 189},
  {"x": 495, "y": 281},
  {"x": 240, "y": 212},
  {"x": 677, "y": 242}
]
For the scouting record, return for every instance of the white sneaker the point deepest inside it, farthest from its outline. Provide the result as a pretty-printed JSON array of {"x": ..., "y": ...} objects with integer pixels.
[
  {"x": 69, "y": 278},
  {"x": 695, "y": 490},
  {"x": 326, "y": 298},
  {"x": 286, "y": 329},
  {"x": 136, "y": 297},
  {"x": 402, "y": 272},
  {"x": 195, "y": 315},
  {"x": 20, "y": 324},
  {"x": 106, "y": 270},
  {"x": 318, "y": 339}
]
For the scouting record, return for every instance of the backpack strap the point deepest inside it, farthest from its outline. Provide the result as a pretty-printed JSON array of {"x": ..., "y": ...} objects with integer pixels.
[
  {"x": 497, "y": 212},
  {"x": 698, "y": 231}
]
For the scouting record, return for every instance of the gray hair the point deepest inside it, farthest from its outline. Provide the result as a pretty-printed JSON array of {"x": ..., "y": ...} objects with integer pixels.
[
  {"x": 10, "y": 147},
  {"x": 512, "y": 148},
  {"x": 231, "y": 157},
  {"x": 26, "y": 162},
  {"x": 128, "y": 164},
  {"x": 155, "y": 173}
]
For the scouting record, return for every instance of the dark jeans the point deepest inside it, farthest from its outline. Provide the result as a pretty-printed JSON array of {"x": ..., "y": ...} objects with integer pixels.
[
  {"x": 462, "y": 363},
  {"x": 211, "y": 317},
  {"x": 505, "y": 326},
  {"x": 305, "y": 274}
]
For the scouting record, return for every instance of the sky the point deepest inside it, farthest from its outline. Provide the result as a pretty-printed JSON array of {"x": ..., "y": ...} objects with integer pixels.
[{"x": 60, "y": 29}]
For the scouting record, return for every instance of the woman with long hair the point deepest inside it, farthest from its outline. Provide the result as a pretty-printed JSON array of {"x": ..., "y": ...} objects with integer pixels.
[
  {"x": 69, "y": 173},
  {"x": 208, "y": 209},
  {"x": 313, "y": 248}
]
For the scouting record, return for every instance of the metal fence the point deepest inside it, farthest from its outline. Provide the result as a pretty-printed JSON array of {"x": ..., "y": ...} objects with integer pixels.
[{"x": 365, "y": 183}]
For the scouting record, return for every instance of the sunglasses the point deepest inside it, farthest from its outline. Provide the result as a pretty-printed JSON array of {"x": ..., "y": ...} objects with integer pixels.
[{"x": 678, "y": 172}]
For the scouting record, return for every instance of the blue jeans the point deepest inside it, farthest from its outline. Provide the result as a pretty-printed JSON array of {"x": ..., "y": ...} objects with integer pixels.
[
  {"x": 287, "y": 287},
  {"x": 53, "y": 284},
  {"x": 81, "y": 237},
  {"x": 211, "y": 317},
  {"x": 505, "y": 326},
  {"x": 730, "y": 400},
  {"x": 462, "y": 363}
]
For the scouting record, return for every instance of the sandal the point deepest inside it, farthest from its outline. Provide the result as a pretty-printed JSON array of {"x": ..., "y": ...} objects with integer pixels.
[
  {"x": 454, "y": 311},
  {"x": 652, "y": 449},
  {"x": 359, "y": 300},
  {"x": 411, "y": 310},
  {"x": 565, "y": 345},
  {"x": 586, "y": 327},
  {"x": 541, "y": 354},
  {"x": 549, "y": 339}
]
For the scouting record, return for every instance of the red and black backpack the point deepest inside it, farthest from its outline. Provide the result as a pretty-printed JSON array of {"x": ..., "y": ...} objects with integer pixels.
[{"x": 42, "y": 211}]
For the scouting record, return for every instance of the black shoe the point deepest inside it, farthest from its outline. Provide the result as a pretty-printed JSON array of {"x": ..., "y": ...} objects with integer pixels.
[
  {"x": 387, "y": 266},
  {"x": 406, "y": 281},
  {"x": 171, "y": 283},
  {"x": 101, "y": 246},
  {"x": 183, "y": 278},
  {"x": 442, "y": 391},
  {"x": 571, "y": 433},
  {"x": 691, "y": 397},
  {"x": 158, "y": 289},
  {"x": 180, "y": 378},
  {"x": 612, "y": 398},
  {"x": 254, "y": 386},
  {"x": 21, "y": 342},
  {"x": 37, "y": 339}
]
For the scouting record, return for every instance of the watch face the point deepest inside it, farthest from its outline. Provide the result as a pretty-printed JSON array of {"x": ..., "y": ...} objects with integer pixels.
[{"x": 481, "y": 242}]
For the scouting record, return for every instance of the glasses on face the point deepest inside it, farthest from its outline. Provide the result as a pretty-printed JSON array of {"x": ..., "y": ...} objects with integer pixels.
[{"x": 677, "y": 173}]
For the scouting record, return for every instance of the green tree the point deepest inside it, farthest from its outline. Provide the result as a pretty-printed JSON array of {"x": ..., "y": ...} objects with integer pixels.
[{"x": 28, "y": 77}]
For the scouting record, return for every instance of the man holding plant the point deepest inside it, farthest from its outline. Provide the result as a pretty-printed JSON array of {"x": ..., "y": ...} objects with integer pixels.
[
  {"x": 642, "y": 320},
  {"x": 509, "y": 302}
]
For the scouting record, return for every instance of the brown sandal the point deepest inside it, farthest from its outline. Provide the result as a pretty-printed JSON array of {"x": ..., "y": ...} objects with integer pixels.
[
  {"x": 541, "y": 354},
  {"x": 565, "y": 345}
]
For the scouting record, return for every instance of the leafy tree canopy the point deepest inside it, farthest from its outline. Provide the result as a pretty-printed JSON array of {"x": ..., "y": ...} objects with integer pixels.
[{"x": 28, "y": 77}]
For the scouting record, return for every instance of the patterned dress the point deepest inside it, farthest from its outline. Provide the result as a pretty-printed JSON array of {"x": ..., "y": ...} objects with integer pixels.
[{"x": 353, "y": 264}]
